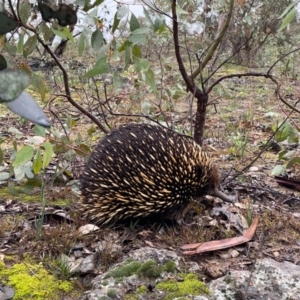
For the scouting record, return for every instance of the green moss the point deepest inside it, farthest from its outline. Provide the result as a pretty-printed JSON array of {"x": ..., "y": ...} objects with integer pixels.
[
  {"x": 170, "y": 266},
  {"x": 124, "y": 271},
  {"x": 189, "y": 286},
  {"x": 105, "y": 282},
  {"x": 142, "y": 290},
  {"x": 112, "y": 293},
  {"x": 20, "y": 194},
  {"x": 34, "y": 282},
  {"x": 150, "y": 269},
  {"x": 131, "y": 297}
]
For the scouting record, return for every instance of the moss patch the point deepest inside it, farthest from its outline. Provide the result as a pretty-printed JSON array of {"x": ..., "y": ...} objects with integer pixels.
[
  {"x": 190, "y": 285},
  {"x": 32, "y": 281},
  {"x": 142, "y": 290},
  {"x": 149, "y": 269}
]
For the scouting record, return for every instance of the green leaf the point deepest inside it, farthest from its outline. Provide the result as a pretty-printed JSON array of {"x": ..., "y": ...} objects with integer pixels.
[
  {"x": 150, "y": 80},
  {"x": 28, "y": 170},
  {"x": 1, "y": 156},
  {"x": 30, "y": 45},
  {"x": 141, "y": 64},
  {"x": 144, "y": 30},
  {"x": 40, "y": 85},
  {"x": 101, "y": 67},
  {"x": 10, "y": 48},
  {"x": 279, "y": 169},
  {"x": 65, "y": 33},
  {"x": 24, "y": 11},
  {"x": 288, "y": 9},
  {"x": 7, "y": 24},
  {"x": 293, "y": 161},
  {"x": 122, "y": 11},
  {"x": 4, "y": 176},
  {"x": 97, "y": 39},
  {"x": 124, "y": 46},
  {"x": 3, "y": 63},
  {"x": 138, "y": 39},
  {"x": 20, "y": 44},
  {"x": 37, "y": 162},
  {"x": 288, "y": 19},
  {"x": 47, "y": 155},
  {"x": 24, "y": 155},
  {"x": 136, "y": 51},
  {"x": 148, "y": 16},
  {"x": 81, "y": 45},
  {"x": 12, "y": 84},
  {"x": 19, "y": 172},
  {"x": 39, "y": 130},
  {"x": 133, "y": 23},
  {"x": 158, "y": 23},
  {"x": 45, "y": 31},
  {"x": 127, "y": 57},
  {"x": 115, "y": 23}
]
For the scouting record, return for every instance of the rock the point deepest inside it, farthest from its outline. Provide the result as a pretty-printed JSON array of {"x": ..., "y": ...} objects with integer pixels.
[{"x": 270, "y": 280}]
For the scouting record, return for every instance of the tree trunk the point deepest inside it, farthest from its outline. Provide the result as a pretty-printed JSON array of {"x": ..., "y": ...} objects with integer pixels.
[{"x": 200, "y": 118}]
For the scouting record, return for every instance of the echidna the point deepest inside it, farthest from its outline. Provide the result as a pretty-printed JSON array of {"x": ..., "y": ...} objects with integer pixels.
[{"x": 141, "y": 170}]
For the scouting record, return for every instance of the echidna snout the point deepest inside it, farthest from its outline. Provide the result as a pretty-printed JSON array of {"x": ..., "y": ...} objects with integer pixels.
[{"x": 141, "y": 170}]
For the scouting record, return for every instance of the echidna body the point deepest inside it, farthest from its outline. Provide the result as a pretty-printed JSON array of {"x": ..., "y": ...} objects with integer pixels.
[{"x": 141, "y": 170}]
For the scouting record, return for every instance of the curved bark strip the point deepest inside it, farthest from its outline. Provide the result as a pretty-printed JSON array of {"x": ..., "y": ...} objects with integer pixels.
[{"x": 221, "y": 244}]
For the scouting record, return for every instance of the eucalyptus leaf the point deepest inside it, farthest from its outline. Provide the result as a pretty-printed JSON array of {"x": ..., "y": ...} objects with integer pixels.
[
  {"x": 20, "y": 47},
  {"x": 37, "y": 162},
  {"x": 24, "y": 155},
  {"x": 279, "y": 169},
  {"x": 150, "y": 80},
  {"x": 97, "y": 39},
  {"x": 101, "y": 67},
  {"x": 47, "y": 155},
  {"x": 19, "y": 172},
  {"x": 122, "y": 12},
  {"x": 30, "y": 45},
  {"x": 139, "y": 39},
  {"x": 12, "y": 83},
  {"x": 65, "y": 34},
  {"x": 115, "y": 23},
  {"x": 288, "y": 19},
  {"x": 40, "y": 85},
  {"x": 81, "y": 44},
  {"x": 4, "y": 176},
  {"x": 24, "y": 11},
  {"x": 3, "y": 63},
  {"x": 7, "y": 24},
  {"x": 25, "y": 106},
  {"x": 133, "y": 23},
  {"x": 293, "y": 161}
]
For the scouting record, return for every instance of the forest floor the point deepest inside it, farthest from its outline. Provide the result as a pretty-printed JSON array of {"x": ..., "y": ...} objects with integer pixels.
[{"x": 240, "y": 120}]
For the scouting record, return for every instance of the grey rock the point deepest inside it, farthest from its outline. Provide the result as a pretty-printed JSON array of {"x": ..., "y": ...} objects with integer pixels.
[{"x": 269, "y": 280}]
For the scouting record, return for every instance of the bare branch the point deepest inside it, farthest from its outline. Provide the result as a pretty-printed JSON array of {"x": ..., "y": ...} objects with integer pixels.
[{"x": 214, "y": 46}]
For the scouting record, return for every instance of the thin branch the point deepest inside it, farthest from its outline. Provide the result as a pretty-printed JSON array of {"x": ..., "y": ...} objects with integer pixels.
[
  {"x": 191, "y": 87},
  {"x": 282, "y": 57},
  {"x": 214, "y": 46}
]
